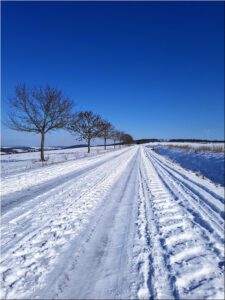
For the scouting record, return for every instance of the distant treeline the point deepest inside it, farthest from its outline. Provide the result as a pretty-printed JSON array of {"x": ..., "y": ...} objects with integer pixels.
[{"x": 144, "y": 141}]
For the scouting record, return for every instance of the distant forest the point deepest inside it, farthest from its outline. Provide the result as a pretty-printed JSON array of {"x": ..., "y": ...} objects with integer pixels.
[{"x": 143, "y": 141}]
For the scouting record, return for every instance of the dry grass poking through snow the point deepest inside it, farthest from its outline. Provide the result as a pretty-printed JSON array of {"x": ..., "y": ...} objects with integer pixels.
[{"x": 201, "y": 148}]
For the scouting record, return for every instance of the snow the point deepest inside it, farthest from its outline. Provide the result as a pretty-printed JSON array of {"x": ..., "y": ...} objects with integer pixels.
[
  {"x": 121, "y": 224},
  {"x": 208, "y": 164},
  {"x": 51, "y": 171},
  {"x": 14, "y": 163}
]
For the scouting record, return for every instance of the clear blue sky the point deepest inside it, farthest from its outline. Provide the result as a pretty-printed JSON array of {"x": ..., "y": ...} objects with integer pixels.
[{"x": 154, "y": 69}]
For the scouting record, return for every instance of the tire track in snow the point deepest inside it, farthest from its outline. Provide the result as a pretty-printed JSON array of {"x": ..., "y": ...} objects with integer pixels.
[
  {"x": 190, "y": 260},
  {"x": 25, "y": 220},
  {"x": 209, "y": 220},
  {"x": 25, "y": 265},
  {"x": 170, "y": 166},
  {"x": 153, "y": 275},
  {"x": 100, "y": 265},
  {"x": 23, "y": 216},
  {"x": 36, "y": 182},
  {"x": 214, "y": 202}
]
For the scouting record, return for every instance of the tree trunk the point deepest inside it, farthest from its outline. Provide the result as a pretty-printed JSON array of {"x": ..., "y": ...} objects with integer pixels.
[
  {"x": 105, "y": 143},
  {"x": 89, "y": 145},
  {"x": 42, "y": 146},
  {"x": 114, "y": 144}
]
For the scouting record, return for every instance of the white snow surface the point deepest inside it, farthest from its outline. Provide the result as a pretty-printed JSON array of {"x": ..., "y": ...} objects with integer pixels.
[
  {"x": 126, "y": 224},
  {"x": 207, "y": 163},
  {"x": 15, "y": 163}
]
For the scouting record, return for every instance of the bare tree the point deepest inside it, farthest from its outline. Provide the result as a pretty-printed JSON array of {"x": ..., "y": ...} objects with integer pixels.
[
  {"x": 86, "y": 125},
  {"x": 106, "y": 131},
  {"x": 115, "y": 136},
  {"x": 39, "y": 110},
  {"x": 120, "y": 135}
]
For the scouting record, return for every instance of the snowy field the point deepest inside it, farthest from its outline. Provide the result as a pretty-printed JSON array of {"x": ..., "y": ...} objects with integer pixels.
[
  {"x": 209, "y": 164},
  {"x": 121, "y": 224},
  {"x": 14, "y": 163}
]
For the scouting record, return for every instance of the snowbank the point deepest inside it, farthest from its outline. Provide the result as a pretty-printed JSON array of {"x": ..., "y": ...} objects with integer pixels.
[{"x": 208, "y": 164}]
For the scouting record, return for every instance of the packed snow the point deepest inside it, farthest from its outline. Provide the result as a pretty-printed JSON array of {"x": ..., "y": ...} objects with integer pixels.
[{"x": 120, "y": 224}]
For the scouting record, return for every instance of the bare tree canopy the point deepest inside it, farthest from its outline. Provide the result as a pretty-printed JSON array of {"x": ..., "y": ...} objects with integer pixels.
[
  {"x": 106, "y": 131},
  {"x": 115, "y": 136},
  {"x": 127, "y": 138},
  {"x": 86, "y": 125},
  {"x": 120, "y": 135},
  {"x": 38, "y": 110}
]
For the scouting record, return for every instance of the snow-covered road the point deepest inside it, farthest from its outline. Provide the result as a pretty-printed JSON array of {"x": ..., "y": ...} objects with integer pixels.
[{"x": 128, "y": 224}]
